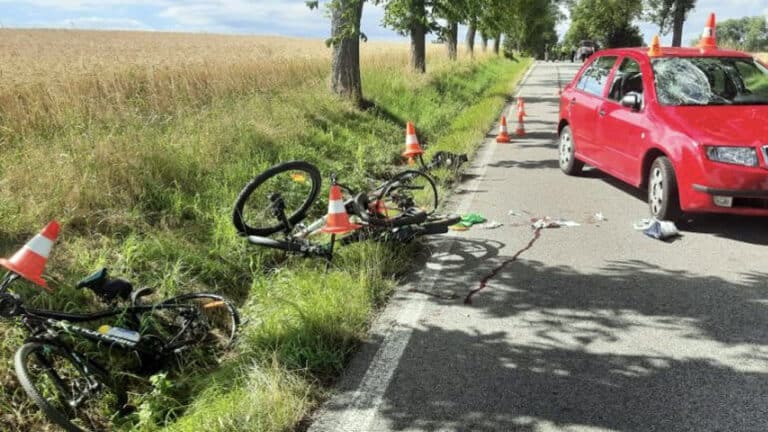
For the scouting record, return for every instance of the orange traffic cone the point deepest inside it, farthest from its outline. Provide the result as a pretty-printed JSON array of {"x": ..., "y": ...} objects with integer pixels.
[
  {"x": 709, "y": 37},
  {"x": 29, "y": 261},
  {"x": 520, "y": 117},
  {"x": 655, "y": 49},
  {"x": 503, "y": 136},
  {"x": 412, "y": 147},
  {"x": 338, "y": 219}
]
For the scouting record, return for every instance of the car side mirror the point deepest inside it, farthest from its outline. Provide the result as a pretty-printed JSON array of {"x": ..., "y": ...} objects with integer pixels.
[{"x": 632, "y": 100}]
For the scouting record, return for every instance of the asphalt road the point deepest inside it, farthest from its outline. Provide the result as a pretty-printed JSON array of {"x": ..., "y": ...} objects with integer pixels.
[{"x": 594, "y": 328}]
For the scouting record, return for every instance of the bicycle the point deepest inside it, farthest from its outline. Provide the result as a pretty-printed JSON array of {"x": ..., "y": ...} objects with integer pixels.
[
  {"x": 75, "y": 391},
  {"x": 279, "y": 199}
]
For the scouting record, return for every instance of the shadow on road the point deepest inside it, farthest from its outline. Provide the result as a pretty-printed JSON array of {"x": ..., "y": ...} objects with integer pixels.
[{"x": 556, "y": 369}]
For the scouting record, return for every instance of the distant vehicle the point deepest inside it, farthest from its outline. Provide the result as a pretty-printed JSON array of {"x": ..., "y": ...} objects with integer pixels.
[
  {"x": 689, "y": 125},
  {"x": 585, "y": 50}
]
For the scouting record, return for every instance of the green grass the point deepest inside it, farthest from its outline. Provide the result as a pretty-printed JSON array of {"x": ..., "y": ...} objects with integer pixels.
[{"x": 150, "y": 197}]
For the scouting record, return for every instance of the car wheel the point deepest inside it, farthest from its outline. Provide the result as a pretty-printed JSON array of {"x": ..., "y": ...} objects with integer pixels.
[
  {"x": 663, "y": 197},
  {"x": 568, "y": 162}
]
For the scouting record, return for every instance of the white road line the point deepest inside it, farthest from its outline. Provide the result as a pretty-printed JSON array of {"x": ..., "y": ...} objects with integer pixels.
[{"x": 368, "y": 397}]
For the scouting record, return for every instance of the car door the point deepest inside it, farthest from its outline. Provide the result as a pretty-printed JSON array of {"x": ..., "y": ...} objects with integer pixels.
[
  {"x": 584, "y": 105},
  {"x": 621, "y": 131}
]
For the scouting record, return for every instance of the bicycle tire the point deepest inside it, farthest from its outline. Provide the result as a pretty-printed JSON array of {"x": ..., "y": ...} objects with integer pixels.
[
  {"x": 297, "y": 216},
  {"x": 414, "y": 218},
  {"x": 52, "y": 413},
  {"x": 227, "y": 336},
  {"x": 439, "y": 225}
]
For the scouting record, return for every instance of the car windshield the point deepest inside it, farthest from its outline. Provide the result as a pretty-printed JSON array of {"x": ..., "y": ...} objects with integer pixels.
[{"x": 710, "y": 81}]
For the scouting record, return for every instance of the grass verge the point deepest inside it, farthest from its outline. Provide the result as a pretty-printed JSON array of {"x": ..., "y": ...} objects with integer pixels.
[{"x": 150, "y": 197}]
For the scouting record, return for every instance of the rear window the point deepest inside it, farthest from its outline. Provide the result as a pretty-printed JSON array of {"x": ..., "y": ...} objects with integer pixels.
[{"x": 710, "y": 81}]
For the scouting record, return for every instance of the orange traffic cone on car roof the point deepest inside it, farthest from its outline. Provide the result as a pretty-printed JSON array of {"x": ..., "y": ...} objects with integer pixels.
[
  {"x": 412, "y": 147},
  {"x": 29, "y": 261},
  {"x": 337, "y": 221},
  {"x": 709, "y": 37},
  {"x": 655, "y": 49},
  {"x": 503, "y": 136}
]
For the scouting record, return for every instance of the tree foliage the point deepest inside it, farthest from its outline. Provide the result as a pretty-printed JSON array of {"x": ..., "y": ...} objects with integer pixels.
[
  {"x": 608, "y": 22},
  {"x": 669, "y": 15},
  {"x": 747, "y": 34}
]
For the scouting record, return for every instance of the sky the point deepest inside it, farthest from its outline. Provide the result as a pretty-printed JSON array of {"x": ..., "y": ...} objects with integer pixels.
[{"x": 266, "y": 17}]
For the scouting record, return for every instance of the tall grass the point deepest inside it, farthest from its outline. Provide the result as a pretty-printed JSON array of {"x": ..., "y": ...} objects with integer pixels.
[{"x": 139, "y": 145}]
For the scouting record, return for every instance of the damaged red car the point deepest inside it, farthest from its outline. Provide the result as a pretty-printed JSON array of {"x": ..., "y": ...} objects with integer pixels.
[{"x": 689, "y": 125}]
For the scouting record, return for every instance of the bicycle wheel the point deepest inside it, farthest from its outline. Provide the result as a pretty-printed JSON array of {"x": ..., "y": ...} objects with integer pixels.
[
  {"x": 208, "y": 321},
  {"x": 296, "y": 185},
  {"x": 406, "y": 199},
  {"x": 71, "y": 391}
]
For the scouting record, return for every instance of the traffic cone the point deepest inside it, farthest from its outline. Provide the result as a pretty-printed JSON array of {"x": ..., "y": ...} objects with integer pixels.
[
  {"x": 520, "y": 117},
  {"x": 503, "y": 136},
  {"x": 709, "y": 37},
  {"x": 337, "y": 221},
  {"x": 29, "y": 261},
  {"x": 655, "y": 49},
  {"x": 412, "y": 147}
]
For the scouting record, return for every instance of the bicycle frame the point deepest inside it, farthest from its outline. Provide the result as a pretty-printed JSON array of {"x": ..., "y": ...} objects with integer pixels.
[{"x": 48, "y": 325}]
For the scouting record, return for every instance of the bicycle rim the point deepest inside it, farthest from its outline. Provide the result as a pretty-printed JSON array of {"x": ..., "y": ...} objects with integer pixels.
[
  {"x": 64, "y": 392},
  {"x": 297, "y": 183},
  {"x": 408, "y": 190},
  {"x": 208, "y": 322}
]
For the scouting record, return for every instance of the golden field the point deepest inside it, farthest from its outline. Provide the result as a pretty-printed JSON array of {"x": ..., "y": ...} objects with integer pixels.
[
  {"x": 763, "y": 57},
  {"x": 48, "y": 75}
]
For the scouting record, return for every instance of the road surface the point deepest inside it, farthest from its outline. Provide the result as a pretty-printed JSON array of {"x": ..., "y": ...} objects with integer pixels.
[{"x": 593, "y": 328}]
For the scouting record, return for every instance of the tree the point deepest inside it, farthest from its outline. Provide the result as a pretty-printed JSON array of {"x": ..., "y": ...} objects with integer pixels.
[
  {"x": 670, "y": 15},
  {"x": 609, "y": 22},
  {"x": 747, "y": 34},
  {"x": 345, "y": 41},
  {"x": 410, "y": 18},
  {"x": 530, "y": 25}
]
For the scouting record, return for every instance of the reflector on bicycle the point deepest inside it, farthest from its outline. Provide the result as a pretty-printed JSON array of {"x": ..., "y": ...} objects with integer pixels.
[{"x": 29, "y": 261}]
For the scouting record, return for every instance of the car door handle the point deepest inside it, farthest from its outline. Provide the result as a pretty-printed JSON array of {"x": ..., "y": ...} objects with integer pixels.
[{"x": 601, "y": 112}]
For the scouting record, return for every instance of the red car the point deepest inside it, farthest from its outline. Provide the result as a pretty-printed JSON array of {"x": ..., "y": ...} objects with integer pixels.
[{"x": 689, "y": 125}]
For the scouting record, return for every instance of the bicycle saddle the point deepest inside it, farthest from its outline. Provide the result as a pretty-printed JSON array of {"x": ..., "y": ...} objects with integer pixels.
[
  {"x": 109, "y": 290},
  {"x": 139, "y": 293}
]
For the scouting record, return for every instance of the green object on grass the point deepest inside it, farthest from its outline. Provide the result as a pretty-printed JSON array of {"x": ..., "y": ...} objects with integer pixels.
[{"x": 472, "y": 219}]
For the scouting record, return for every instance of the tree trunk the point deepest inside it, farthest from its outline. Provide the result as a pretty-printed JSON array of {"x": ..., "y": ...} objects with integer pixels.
[
  {"x": 677, "y": 25},
  {"x": 471, "y": 32},
  {"x": 484, "y": 41},
  {"x": 497, "y": 45},
  {"x": 345, "y": 64},
  {"x": 452, "y": 40},
  {"x": 418, "y": 38}
]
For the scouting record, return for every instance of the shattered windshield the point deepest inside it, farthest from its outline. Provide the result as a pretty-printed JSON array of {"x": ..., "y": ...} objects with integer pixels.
[{"x": 710, "y": 81}]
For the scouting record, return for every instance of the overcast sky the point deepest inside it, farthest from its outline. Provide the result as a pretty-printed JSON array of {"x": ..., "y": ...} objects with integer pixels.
[{"x": 271, "y": 17}]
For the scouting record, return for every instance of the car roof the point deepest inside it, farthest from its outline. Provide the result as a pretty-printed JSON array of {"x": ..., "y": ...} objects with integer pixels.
[{"x": 676, "y": 52}]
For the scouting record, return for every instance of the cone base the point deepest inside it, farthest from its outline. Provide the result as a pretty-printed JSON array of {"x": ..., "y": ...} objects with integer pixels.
[
  {"x": 341, "y": 229},
  {"x": 503, "y": 139},
  {"x": 520, "y": 132},
  {"x": 37, "y": 280}
]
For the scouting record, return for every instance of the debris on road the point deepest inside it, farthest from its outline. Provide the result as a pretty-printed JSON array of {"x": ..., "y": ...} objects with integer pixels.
[
  {"x": 662, "y": 230},
  {"x": 491, "y": 225},
  {"x": 599, "y": 217},
  {"x": 547, "y": 223},
  {"x": 642, "y": 224},
  {"x": 467, "y": 221}
]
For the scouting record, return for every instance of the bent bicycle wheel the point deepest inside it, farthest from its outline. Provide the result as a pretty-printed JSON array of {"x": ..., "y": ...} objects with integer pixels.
[
  {"x": 404, "y": 200},
  {"x": 294, "y": 185},
  {"x": 207, "y": 321},
  {"x": 67, "y": 388}
]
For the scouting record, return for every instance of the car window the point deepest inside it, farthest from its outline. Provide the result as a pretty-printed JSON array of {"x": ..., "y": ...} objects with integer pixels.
[
  {"x": 596, "y": 76},
  {"x": 628, "y": 79},
  {"x": 710, "y": 81}
]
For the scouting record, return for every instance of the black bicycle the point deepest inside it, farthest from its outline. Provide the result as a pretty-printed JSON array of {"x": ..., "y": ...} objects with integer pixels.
[
  {"x": 75, "y": 391},
  {"x": 279, "y": 200}
]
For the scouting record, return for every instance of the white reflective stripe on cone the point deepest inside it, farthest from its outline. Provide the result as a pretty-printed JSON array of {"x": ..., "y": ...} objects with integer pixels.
[
  {"x": 40, "y": 245},
  {"x": 411, "y": 139},
  {"x": 336, "y": 207}
]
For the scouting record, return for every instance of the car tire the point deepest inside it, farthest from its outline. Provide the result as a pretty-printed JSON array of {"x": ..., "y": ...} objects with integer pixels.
[
  {"x": 663, "y": 196},
  {"x": 567, "y": 150}
]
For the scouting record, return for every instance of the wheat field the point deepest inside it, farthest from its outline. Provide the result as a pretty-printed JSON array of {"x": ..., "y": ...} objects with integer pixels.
[{"x": 48, "y": 75}]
